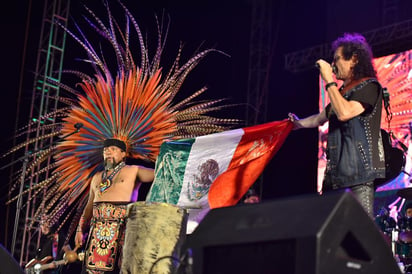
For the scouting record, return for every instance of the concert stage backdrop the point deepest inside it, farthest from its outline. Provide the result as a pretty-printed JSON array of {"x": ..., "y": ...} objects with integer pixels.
[{"x": 395, "y": 73}]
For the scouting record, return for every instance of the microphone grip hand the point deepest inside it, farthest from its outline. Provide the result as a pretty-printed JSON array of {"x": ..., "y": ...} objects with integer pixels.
[{"x": 325, "y": 70}]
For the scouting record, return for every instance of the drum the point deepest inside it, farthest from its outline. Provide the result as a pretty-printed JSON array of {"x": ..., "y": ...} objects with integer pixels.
[
  {"x": 405, "y": 229},
  {"x": 154, "y": 235}
]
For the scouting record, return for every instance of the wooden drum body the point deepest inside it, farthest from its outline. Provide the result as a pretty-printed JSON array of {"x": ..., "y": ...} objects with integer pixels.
[{"x": 155, "y": 233}]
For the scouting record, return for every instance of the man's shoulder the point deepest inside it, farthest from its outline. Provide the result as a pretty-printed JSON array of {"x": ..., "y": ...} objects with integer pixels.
[
  {"x": 370, "y": 85},
  {"x": 96, "y": 178},
  {"x": 374, "y": 84},
  {"x": 131, "y": 168},
  {"x": 97, "y": 174}
]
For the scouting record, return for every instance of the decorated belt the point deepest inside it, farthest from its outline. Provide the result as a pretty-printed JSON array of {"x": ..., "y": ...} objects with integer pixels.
[{"x": 110, "y": 211}]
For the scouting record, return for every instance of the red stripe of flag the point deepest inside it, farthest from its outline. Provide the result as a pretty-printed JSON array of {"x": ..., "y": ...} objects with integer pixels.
[{"x": 254, "y": 151}]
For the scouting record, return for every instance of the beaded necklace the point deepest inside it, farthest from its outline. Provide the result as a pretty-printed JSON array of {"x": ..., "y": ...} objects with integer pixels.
[{"x": 107, "y": 180}]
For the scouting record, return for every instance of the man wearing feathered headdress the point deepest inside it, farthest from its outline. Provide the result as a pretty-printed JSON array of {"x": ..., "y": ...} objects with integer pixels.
[
  {"x": 129, "y": 109},
  {"x": 110, "y": 192}
]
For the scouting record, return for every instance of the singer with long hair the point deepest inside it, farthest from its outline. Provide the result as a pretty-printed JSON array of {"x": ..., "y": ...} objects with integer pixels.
[{"x": 355, "y": 156}]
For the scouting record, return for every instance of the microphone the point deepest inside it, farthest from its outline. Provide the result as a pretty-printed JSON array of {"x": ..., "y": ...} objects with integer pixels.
[
  {"x": 78, "y": 126},
  {"x": 334, "y": 68}
]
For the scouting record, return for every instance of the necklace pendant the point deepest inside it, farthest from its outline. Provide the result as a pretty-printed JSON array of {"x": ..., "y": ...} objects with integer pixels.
[
  {"x": 107, "y": 180},
  {"x": 104, "y": 185}
]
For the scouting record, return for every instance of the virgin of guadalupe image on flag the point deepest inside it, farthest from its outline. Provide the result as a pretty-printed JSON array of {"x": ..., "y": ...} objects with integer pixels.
[{"x": 214, "y": 170}]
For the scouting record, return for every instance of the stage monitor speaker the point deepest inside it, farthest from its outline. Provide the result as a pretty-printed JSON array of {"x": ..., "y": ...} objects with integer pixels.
[
  {"x": 8, "y": 263},
  {"x": 309, "y": 234}
]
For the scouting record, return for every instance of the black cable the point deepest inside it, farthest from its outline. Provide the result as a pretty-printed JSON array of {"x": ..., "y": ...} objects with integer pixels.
[
  {"x": 387, "y": 106},
  {"x": 162, "y": 258},
  {"x": 389, "y": 118}
]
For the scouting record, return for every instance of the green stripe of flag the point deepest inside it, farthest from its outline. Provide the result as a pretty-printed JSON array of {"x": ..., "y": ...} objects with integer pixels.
[{"x": 170, "y": 168}]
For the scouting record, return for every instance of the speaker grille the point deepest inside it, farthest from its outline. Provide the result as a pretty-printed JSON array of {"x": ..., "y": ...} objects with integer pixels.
[{"x": 260, "y": 257}]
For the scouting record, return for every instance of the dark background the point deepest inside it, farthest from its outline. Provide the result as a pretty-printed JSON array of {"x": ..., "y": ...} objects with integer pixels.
[{"x": 224, "y": 25}]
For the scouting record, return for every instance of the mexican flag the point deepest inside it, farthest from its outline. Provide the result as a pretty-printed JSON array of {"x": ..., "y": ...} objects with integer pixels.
[{"x": 215, "y": 170}]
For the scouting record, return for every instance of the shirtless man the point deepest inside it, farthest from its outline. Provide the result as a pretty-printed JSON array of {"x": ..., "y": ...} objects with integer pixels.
[{"x": 110, "y": 192}]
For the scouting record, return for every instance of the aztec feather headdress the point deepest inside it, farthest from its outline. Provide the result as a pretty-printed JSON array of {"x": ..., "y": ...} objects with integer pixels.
[{"x": 136, "y": 105}]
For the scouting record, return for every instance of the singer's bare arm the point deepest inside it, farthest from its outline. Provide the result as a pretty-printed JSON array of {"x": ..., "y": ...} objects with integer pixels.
[
  {"x": 308, "y": 122},
  {"x": 344, "y": 109}
]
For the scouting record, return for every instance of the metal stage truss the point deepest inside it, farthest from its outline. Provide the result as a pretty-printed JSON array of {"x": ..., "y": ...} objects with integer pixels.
[
  {"x": 26, "y": 231},
  {"x": 260, "y": 52},
  {"x": 381, "y": 40},
  {"x": 261, "y": 46}
]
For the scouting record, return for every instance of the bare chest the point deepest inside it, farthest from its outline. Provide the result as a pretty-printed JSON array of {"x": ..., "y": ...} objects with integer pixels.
[{"x": 119, "y": 187}]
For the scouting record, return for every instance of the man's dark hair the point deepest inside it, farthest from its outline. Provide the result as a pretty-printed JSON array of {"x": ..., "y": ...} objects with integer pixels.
[{"x": 355, "y": 44}]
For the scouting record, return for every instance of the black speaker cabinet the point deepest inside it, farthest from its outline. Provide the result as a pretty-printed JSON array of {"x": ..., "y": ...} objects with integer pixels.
[
  {"x": 310, "y": 234},
  {"x": 8, "y": 265}
]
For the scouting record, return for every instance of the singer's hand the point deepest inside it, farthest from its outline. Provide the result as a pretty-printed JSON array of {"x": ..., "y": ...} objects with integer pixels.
[
  {"x": 295, "y": 120},
  {"x": 325, "y": 70}
]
